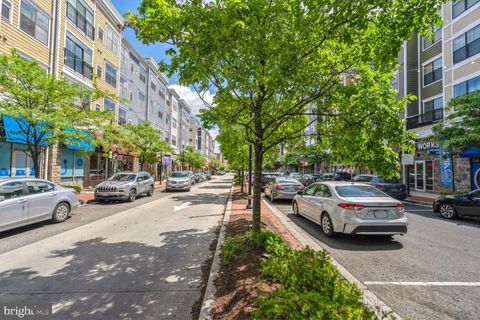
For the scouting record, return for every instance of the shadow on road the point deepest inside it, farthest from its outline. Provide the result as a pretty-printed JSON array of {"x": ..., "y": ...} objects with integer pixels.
[
  {"x": 224, "y": 186},
  {"x": 473, "y": 222},
  {"x": 123, "y": 280},
  {"x": 202, "y": 198}
]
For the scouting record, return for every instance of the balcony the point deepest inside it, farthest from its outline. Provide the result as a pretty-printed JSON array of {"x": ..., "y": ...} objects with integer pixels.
[
  {"x": 425, "y": 119},
  {"x": 77, "y": 64},
  {"x": 80, "y": 21}
]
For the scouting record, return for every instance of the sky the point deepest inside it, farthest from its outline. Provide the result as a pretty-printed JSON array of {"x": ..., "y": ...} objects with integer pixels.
[{"x": 157, "y": 51}]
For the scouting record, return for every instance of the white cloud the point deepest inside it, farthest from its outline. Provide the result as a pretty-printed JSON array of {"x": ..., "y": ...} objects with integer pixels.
[{"x": 192, "y": 98}]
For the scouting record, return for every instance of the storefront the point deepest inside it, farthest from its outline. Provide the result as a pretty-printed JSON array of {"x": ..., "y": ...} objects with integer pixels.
[
  {"x": 423, "y": 174},
  {"x": 473, "y": 156}
]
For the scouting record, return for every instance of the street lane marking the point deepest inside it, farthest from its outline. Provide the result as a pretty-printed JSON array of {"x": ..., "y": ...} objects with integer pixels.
[
  {"x": 182, "y": 206},
  {"x": 423, "y": 284}
]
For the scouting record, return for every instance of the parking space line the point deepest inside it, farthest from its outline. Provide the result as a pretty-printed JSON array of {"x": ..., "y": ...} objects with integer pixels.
[{"x": 422, "y": 284}]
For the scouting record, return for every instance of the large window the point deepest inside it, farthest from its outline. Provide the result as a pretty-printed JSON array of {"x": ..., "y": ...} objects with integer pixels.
[
  {"x": 466, "y": 87},
  {"x": 78, "y": 57},
  {"x": 122, "y": 117},
  {"x": 7, "y": 10},
  {"x": 34, "y": 22},
  {"x": 109, "y": 104},
  {"x": 433, "y": 110},
  {"x": 112, "y": 40},
  {"x": 142, "y": 74},
  {"x": 428, "y": 41},
  {"x": 82, "y": 16},
  {"x": 123, "y": 87},
  {"x": 466, "y": 45},
  {"x": 432, "y": 72},
  {"x": 110, "y": 74},
  {"x": 174, "y": 123},
  {"x": 460, "y": 6}
]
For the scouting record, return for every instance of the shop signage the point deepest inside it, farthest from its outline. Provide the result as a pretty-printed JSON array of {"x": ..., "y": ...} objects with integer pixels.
[
  {"x": 446, "y": 168},
  {"x": 407, "y": 159},
  {"x": 433, "y": 148}
]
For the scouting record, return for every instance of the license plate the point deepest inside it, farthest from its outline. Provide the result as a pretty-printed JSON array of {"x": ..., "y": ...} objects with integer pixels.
[
  {"x": 380, "y": 213},
  {"x": 290, "y": 190}
]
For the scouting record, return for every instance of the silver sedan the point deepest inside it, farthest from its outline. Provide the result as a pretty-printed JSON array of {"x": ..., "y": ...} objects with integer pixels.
[
  {"x": 282, "y": 188},
  {"x": 353, "y": 208},
  {"x": 27, "y": 201}
]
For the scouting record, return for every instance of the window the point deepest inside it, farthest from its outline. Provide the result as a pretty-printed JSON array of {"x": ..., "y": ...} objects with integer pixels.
[
  {"x": 99, "y": 72},
  {"x": 142, "y": 74},
  {"x": 310, "y": 191},
  {"x": 122, "y": 117},
  {"x": 394, "y": 81},
  {"x": 123, "y": 87},
  {"x": 466, "y": 87},
  {"x": 433, "y": 110},
  {"x": 35, "y": 187},
  {"x": 427, "y": 42},
  {"x": 153, "y": 86},
  {"x": 124, "y": 56},
  {"x": 356, "y": 191},
  {"x": 112, "y": 40},
  {"x": 7, "y": 10},
  {"x": 141, "y": 97},
  {"x": 160, "y": 114},
  {"x": 12, "y": 190},
  {"x": 110, "y": 74},
  {"x": 460, "y": 6},
  {"x": 174, "y": 122},
  {"x": 109, "y": 104},
  {"x": 98, "y": 107},
  {"x": 466, "y": 45},
  {"x": 82, "y": 16},
  {"x": 174, "y": 140},
  {"x": 34, "y": 22},
  {"x": 100, "y": 34},
  {"x": 432, "y": 72},
  {"x": 175, "y": 105},
  {"x": 77, "y": 57},
  {"x": 131, "y": 96}
]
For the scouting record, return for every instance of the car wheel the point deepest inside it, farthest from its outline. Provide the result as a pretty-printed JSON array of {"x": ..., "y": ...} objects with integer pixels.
[
  {"x": 295, "y": 209},
  {"x": 327, "y": 226},
  {"x": 61, "y": 212},
  {"x": 447, "y": 211},
  {"x": 132, "y": 195},
  {"x": 150, "y": 191}
]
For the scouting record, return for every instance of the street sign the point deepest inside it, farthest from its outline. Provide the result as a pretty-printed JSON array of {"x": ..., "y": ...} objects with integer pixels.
[{"x": 407, "y": 159}]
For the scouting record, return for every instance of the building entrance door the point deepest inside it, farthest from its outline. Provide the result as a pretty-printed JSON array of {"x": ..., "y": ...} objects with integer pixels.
[{"x": 420, "y": 175}]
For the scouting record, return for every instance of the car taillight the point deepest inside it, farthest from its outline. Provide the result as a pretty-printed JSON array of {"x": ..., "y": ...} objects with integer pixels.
[
  {"x": 351, "y": 206},
  {"x": 278, "y": 188},
  {"x": 75, "y": 192},
  {"x": 380, "y": 186},
  {"x": 301, "y": 187},
  {"x": 400, "y": 206}
]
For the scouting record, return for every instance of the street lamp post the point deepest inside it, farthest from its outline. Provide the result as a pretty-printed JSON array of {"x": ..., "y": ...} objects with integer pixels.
[{"x": 249, "y": 203}]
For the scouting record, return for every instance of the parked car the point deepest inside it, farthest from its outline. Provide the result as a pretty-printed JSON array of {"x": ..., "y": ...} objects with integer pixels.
[
  {"x": 180, "y": 180},
  {"x": 394, "y": 188},
  {"x": 125, "y": 186},
  {"x": 454, "y": 206},
  {"x": 267, "y": 177},
  {"x": 197, "y": 177},
  {"x": 342, "y": 176},
  {"x": 208, "y": 174},
  {"x": 203, "y": 176},
  {"x": 330, "y": 176},
  {"x": 352, "y": 208},
  {"x": 282, "y": 188},
  {"x": 27, "y": 201}
]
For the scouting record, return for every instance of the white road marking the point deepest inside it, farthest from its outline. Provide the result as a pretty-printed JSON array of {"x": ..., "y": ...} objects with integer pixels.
[
  {"x": 182, "y": 206},
  {"x": 423, "y": 284}
]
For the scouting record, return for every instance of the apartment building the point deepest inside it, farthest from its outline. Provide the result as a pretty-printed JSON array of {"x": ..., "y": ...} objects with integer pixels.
[
  {"x": 172, "y": 106},
  {"x": 184, "y": 124},
  {"x": 157, "y": 95},
  {"x": 435, "y": 70}
]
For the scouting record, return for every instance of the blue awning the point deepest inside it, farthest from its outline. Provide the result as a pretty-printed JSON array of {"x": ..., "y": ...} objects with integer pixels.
[
  {"x": 15, "y": 132},
  {"x": 470, "y": 153}
]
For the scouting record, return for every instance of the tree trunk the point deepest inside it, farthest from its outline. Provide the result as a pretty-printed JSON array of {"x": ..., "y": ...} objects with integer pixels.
[
  {"x": 36, "y": 163},
  {"x": 257, "y": 187}
]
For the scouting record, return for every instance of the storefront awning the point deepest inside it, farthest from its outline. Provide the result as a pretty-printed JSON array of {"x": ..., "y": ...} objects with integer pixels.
[
  {"x": 15, "y": 132},
  {"x": 470, "y": 153}
]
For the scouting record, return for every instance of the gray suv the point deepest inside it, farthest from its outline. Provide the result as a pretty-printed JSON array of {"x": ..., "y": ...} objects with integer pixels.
[
  {"x": 125, "y": 186},
  {"x": 180, "y": 180}
]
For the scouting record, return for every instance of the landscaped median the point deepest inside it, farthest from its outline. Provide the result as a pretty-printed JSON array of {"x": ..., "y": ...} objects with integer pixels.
[{"x": 270, "y": 275}]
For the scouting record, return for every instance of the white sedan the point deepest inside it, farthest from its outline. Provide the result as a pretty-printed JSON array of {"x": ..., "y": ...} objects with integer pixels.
[{"x": 353, "y": 208}]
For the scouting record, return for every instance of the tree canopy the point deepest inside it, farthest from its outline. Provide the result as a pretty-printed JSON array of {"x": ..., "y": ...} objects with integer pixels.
[
  {"x": 192, "y": 158},
  {"x": 270, "y": 60}
]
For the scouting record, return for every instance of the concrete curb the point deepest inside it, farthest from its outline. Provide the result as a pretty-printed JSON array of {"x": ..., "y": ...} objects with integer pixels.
[
  {"x": 369, "y": 298},
  {"x": 210, "y": 291}
]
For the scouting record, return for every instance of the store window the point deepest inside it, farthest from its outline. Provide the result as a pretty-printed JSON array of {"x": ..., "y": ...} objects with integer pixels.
[
  {"x": 72, "y": 165},
  {"x": 6, "y": 159},
  {"x": 98, "y": 164}
]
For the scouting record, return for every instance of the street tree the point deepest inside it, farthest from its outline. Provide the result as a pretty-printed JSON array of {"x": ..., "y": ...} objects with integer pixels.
[
  {"x": 462, "y": 126},
  {"x": 269, "y": 60},
  {"x": 191, "y": 158},
  {"x": 147, "y": 141},
  {"x": 47, "y": 110}
]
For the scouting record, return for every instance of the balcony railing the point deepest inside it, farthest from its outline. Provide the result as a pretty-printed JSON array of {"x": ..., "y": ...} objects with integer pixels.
[
  {"x": 425, "y": 119},
  {"x": 77, "y": 64},
  {"x": 80, "y": 21}
]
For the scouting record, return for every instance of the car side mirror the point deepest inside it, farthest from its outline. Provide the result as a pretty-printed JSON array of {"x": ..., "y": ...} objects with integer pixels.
[
  {"x": 300, "y": 193},
  {"x": 2, "y": 198}
]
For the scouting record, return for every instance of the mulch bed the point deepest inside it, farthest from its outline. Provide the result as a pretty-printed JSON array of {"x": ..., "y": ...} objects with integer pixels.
[{"x": 239, "y": 284}]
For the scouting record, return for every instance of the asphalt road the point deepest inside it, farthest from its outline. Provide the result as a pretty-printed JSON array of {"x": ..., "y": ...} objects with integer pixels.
[
  {"x": 432, "y": 272},
  {"x": 117, "y": 261}
]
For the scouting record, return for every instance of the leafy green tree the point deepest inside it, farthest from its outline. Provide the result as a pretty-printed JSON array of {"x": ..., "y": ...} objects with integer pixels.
[
  {"x": 47, "y": 110},
  {"x": 147, "y": 141},
  {"x": 462, "y": 126},
  {"x": 190, "y": 157},
  {"x": 269, "y": 60},
  {"x": 216, "y": 165}
]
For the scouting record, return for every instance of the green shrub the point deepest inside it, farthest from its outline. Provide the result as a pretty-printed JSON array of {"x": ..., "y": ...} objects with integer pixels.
[
  {"x": 76, "y": 187},
  {"x": 262, "y": 238},
  {"x": 234, "y": 248},
  {"x": 453, "y": 193},
  {"x": 310, "y": 287}
]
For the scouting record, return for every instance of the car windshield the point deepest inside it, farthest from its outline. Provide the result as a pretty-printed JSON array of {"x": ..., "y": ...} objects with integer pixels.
[
  {"x": 123, "y": 177},
  {"x": 359, "y": 192},
  {"x": 179, "y": 174}
]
